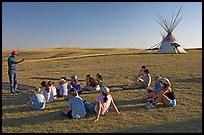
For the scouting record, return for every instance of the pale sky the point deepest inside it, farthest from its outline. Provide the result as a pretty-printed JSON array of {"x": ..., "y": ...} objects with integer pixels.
[{"x": 27, "y": 25}]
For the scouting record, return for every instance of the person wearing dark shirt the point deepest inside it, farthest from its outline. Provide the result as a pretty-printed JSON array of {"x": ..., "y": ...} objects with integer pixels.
[{"x": 91, "y": 83}]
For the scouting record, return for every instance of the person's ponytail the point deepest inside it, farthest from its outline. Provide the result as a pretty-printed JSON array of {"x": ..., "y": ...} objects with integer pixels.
[{"x": 105, "y": 97}]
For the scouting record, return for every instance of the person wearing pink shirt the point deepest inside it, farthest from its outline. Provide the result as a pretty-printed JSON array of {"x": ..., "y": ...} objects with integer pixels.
[{"x": 103, "y": 102}]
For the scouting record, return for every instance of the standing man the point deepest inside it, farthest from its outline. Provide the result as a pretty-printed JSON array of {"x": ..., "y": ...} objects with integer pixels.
[{"x": 12, "y": 72}]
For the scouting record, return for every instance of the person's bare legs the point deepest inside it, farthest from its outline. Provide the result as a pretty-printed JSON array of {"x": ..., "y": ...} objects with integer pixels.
[
  {"x": 165, "y": 100},
  {"x": 151, "y": 95}
]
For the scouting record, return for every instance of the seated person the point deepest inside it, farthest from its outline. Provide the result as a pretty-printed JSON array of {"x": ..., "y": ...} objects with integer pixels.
[
  {"x": 165, "y": 96},
  {"x": 91, "y": 83},
  {"x": 99, "y": 79},
  {"x": 49, "y": 92},
  {"x": 76, "y": 107},
  {"x": 75, "y": 84},
  {"x": 62, "y": 88},
  {"x": 37, "y": 100},
  {"x": 103, "y": 102},
  {"x": 140, "y": 83},
  {"x": 157, "y": 88},
  {"x": 54, "y": 90},
  {"x": 141, "y": 72}
]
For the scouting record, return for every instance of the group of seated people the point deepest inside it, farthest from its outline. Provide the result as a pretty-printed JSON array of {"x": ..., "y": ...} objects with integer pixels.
[
  {"x": 77, "y": 107},
  {"x": 162, "y": 91}
]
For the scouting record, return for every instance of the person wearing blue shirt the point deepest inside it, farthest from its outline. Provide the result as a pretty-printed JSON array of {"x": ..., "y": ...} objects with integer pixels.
[
  {"x": 75, "y": 84},
  {"x": 12, "y": 72},
  {"x": 37, "y": 100},
  {"x": 157, "y": 87},
  {"x": 76, "y": 108}
]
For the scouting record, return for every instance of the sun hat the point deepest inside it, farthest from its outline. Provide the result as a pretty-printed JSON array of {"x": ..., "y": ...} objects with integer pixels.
[
  {"x": 14, "y": 52},
  {"x": 73, "y": 77},
  {"x": 105, "y": 89}
]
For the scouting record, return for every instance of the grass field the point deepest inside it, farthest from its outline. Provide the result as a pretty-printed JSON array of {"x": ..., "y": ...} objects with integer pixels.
[{"x": 117, "y": 67}]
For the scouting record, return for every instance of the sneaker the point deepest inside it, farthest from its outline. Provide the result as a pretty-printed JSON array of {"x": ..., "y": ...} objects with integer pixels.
[
  {"x": 13, "y": 93},
  {"x": 17, "y": 91},
  {"x": 149, "y": 99},
  {"x": 126, "y": 87},
  {"x": 150, "y": 106},
  {"x": 147, "y": 104}
]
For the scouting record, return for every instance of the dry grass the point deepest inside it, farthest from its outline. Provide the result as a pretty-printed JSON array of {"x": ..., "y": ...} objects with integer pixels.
[{"x": 183, "y": 70}]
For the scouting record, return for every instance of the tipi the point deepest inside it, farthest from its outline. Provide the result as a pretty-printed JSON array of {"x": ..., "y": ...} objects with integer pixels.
[{"x": 169, "y": 44}]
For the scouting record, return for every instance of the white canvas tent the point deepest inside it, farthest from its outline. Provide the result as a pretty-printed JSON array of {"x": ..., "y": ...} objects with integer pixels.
[{"x": 169, "y": 44}]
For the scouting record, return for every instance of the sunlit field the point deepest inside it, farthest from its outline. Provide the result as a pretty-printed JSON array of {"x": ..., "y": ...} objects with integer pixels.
[{"x": 117, "y": 67}]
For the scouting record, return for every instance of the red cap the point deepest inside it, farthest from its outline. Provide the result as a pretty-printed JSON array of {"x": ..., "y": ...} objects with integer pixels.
[{"x": 14, "y": 52}]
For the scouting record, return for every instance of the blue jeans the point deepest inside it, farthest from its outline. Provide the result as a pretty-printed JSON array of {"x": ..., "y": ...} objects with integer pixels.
[{"x": 13, "y": 80}]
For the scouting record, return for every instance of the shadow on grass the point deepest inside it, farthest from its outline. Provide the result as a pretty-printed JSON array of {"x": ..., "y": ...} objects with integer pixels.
[
  {"x": 47, "y": 117},
  {"x": 130, "y": 105},
  {"x": 135, "y": 104},
  {"x": 5, "y": 85},
  {"x": 17, "y": 109},
  {"x": 193, "y": 125},
  {"x": 190, "y": 80},
  {"x": 51, "y": 78},
  {"x": 19, "y": 99},
  {"x": 17, "y": 122}
]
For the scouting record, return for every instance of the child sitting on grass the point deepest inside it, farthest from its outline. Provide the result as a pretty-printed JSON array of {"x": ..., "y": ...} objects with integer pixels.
[
  {"x": 166, "y": 95},
  {"x": 99, "y": 79},
  {"x": 91, "y": 83},
  {"x": 75, "y": 84},
  {"x": 157, "y": 88},
  {"x": 37, "y": 100},
  {"x": 103, "y": 102},
  {"x": 76, "y": 107},
  {"x": 140, "y": 83},
  {"x": 62, "y": 88}
]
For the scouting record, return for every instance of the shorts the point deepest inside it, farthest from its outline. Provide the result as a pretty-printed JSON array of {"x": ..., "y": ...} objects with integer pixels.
[
  {"x": 172, "y": 103},
  {"x": 69, "y": 114}
]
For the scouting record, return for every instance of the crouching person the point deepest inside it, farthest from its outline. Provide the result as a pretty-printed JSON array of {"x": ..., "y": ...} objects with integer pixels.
[
  {"x": 37, "y": 100},
  {"x": 76, "y": 107}
]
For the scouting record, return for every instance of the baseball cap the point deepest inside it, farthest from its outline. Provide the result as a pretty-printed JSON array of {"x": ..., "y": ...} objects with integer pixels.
[
  {"x": 157, "y": 77},
  {"x": 14, "y": 52},
  {"x": 165, "y": 80},
  {"x": 105, "y": 89},
  {"x": 61, "y": 80},
  {"x": 73, "y": 77}
]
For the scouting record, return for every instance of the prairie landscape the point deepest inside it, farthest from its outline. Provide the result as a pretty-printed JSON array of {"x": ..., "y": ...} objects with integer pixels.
[{"x": 117, "y": 67}]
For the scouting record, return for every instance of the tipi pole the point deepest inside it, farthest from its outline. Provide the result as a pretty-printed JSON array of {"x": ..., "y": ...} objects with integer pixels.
[{"x": 149, "y": 48}]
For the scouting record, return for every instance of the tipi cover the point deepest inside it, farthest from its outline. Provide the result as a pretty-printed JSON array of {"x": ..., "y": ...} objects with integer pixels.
[{"x": 169, "y": 44}]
